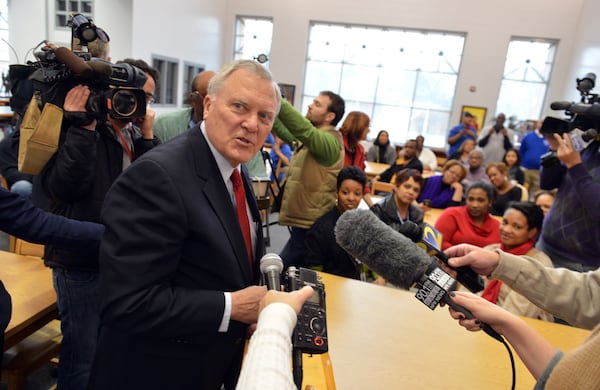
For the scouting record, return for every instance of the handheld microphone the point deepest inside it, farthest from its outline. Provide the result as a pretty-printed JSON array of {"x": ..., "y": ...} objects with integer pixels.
[
  {"x": 387, "y": 252},
  {"x": 102, "y": 69},
  {"x": 271, "y": 267},
  {"x": 432, "y": 238}
]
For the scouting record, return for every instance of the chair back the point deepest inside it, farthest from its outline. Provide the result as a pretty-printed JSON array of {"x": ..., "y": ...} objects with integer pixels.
[
  {"x": 381, "y": 186},
  {"x": 524, "y": 193}
]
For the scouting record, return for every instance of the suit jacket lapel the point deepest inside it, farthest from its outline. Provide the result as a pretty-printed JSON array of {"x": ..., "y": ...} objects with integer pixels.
[{"x": 218, "y": 197}]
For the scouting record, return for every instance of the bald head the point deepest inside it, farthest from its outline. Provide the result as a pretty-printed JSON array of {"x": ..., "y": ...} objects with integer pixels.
[
  {"x": 200, "y": 83},
  {"x": 199, "y": 91}
]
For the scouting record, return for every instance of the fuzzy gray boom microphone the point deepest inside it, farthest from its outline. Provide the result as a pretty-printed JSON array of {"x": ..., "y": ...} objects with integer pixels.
[
  {"x": 399, "y": 260},
  {"x": 387, "y": 252}
]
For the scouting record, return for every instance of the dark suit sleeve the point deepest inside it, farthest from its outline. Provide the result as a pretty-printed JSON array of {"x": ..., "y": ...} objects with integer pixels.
[
  {"x": 148, "y": 276},
  {"x": 20, "y": 218}
]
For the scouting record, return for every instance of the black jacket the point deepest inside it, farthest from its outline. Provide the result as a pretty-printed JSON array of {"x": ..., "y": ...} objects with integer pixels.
[
  {"x": 387, "y": 211},
  {"x": 322, "y": 249},
  {"x": 415, "y": 163},
  {"x": 76, "y": 180}
]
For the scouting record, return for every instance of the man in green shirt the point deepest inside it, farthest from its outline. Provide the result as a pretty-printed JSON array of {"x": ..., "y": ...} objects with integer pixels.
[{"x": 311, "y": 180}]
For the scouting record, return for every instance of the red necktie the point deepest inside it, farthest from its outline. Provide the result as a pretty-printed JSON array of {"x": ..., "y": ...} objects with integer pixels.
[{"x": 240, "y": 201}]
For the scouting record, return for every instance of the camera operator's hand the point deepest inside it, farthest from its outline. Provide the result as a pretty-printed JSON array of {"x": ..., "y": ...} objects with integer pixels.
[
  {"x": 565, "y": 151},
  {"x": 146, "y": 124},
  {"x": 75, "y": 101}
]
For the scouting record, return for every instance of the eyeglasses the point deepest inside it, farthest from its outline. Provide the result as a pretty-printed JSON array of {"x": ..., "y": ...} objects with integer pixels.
[{"x": 150, "y": 98}]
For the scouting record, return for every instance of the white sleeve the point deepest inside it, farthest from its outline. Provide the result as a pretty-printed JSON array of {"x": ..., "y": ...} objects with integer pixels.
[{"x": 267, "y": 364}]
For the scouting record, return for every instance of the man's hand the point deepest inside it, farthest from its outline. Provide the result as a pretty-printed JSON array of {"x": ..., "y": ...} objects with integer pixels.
[
  {"x": 245, "y": 304},
  {"x": 146, "y": 124},
  {"x": 565, "y": 151},
  {"x": 75, "y": 101},
  {"x": 482, "y": 261},
  {"x": 295, "y": 298}
]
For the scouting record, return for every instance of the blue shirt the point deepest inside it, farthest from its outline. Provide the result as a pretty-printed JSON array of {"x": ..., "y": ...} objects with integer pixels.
[
  {"x": 533, "y": 146},
  {"x": 455, "y": 130}
]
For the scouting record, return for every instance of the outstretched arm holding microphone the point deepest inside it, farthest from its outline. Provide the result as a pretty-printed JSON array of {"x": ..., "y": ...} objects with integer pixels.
[
  {"x": 267, "y": 362},
  {"x": 535, "y": 352},
  {"x": 569, "y": 295}
]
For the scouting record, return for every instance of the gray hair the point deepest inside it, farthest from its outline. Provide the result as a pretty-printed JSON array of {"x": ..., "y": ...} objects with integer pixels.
[{"x": 257, "y": 69}]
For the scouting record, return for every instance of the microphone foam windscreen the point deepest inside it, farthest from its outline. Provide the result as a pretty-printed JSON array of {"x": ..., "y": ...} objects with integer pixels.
[
  {"x": 385, "y": 251},
  {"x": 102, "y": 69}
]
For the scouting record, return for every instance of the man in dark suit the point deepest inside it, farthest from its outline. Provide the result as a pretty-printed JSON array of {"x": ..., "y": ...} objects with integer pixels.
[{"x": 177, "y": 285}]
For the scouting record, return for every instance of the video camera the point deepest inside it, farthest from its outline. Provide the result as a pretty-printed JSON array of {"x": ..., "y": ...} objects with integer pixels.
[
  {"x": 116, "y": 89},
  {"x": 583, "y": 123}
]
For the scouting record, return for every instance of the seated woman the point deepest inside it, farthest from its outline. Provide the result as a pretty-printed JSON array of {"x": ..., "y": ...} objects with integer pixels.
[
  {"x": 471, "y": 223},
  {"x": 521, "y": 224},
  {"x": 322, "y": 251},
  {"x": 462, "y": 154},
  {"x": 507, "y": 191},
  {"x": 443, "y": 190},
  {"x": 512, "y": 159},
  {"x": 381, "y": 151},
  {"x": 544, "y": 199},
  {"x": 397, "y": 209}
]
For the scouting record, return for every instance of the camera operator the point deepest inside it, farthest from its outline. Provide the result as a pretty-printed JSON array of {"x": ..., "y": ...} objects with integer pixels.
[
  {"x": 92, "y": 153},
  {"x": 571, "y": 229}
]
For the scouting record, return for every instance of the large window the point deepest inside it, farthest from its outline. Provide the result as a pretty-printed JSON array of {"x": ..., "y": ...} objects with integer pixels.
[
  {"x": 525, "y": 80},
  {"x": 253, "y": 38},
  {"x": 5, "y": 47},
  {"x": 64, "y": 9},
  {"x": 403, "y": 79},
  {"x": 189, "y": 73},
  {"x": 166, "y": 89}
]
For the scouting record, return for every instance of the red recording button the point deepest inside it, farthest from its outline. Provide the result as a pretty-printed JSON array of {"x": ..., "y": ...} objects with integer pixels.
[{"x": 318, "y": 341}]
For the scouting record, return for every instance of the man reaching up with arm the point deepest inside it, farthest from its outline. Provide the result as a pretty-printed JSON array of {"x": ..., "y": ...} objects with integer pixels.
[{"x": 311, "y": 182}]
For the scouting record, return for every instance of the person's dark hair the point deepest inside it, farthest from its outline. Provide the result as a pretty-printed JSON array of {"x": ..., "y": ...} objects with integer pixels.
[
  {"x": 487, "y": 188},
  {"x": 544, "y": 192},
  {"x": 406, "y": 174},
  {"x": 518, "y": 163},
  {"x": 531, "y": 211},
  {"x": 143, "y": 65},
  {"x": 337, "y": 106},
  {"x": 376, "y": 142},
  {"x": 351, "y": 173}
]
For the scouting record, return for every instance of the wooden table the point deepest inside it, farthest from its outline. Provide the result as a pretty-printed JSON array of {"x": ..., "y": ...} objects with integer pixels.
[
  {"x": 29, "y": 283},
  {"x": 6, "y": 113},
  {"x": 383, "y": 338},
  {"x": 373, "y": 169}
]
